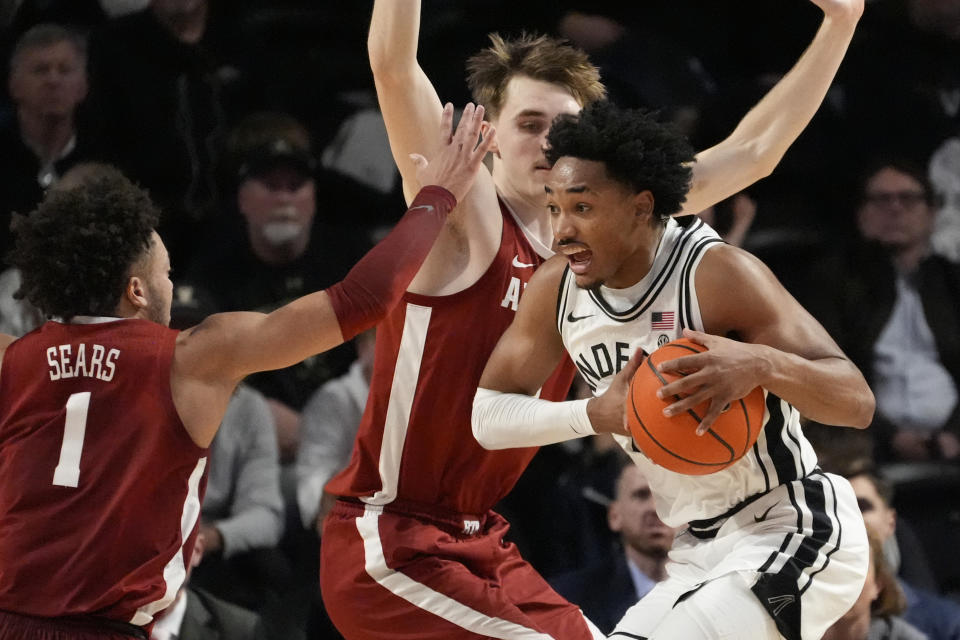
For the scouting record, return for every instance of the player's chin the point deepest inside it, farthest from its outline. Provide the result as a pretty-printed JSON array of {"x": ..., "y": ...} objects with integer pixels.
[{"x": 586, "y": 281}]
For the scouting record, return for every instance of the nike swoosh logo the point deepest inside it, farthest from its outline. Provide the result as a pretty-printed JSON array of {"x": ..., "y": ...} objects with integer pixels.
[
  {"x": 428, "y": 207},
  {"x": 521, "y": 265},
  {"x": 573, "y": 318},
  {"x": 763, "y": 516}
]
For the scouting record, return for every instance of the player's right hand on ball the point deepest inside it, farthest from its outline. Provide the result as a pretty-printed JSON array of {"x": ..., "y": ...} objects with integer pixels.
[{"x": 607, "y": 412}]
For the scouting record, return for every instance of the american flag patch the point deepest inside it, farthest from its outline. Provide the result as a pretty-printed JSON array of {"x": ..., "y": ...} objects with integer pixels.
[{"x": 662, "y": 320}]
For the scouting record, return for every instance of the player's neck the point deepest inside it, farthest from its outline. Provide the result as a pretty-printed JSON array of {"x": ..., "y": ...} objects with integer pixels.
[
  {"x": 636, "y": 267},
  {"x": 531, "y": 213}
]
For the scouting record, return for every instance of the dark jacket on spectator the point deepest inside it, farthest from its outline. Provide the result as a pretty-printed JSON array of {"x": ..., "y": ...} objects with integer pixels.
[
  {"x": 604, "y": 590},
  {"x": 852, "y": 293},
  {"x": 20, "y": 188}
]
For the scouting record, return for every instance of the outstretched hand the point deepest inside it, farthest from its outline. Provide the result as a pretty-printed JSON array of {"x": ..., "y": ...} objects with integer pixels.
[
  {"x": 456, "y": 165},
  {"x": 607, "y": 412},
  {"x": 727, "y": 371}
]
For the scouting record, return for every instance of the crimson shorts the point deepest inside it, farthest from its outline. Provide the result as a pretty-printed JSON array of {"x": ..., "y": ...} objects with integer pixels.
[
  {"x": 385, "y": 574},
  {"x": 14, "y": 626}
]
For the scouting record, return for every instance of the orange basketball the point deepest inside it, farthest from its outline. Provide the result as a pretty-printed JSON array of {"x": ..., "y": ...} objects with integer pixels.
[{"x": 673, "y": 442}]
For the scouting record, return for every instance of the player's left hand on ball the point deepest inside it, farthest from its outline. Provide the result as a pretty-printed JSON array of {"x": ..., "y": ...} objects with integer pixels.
[{"x": 726, "y": 372}]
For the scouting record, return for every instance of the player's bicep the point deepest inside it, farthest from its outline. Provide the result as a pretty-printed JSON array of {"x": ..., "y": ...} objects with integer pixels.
[
  {"x": 531, "y": 348},
  {"x": 718, "y": 173}
]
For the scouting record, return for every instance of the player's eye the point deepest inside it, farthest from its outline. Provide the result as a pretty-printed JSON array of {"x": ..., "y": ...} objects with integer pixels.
[{"x": 531, "y": 126}]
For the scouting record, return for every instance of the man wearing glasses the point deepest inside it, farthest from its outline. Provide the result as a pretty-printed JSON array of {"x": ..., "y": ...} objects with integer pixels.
[{"x": 894, "y": 308}]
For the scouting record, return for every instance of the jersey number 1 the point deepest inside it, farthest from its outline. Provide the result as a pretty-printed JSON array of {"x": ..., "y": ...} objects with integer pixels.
[{"x": 67, "y": 473}]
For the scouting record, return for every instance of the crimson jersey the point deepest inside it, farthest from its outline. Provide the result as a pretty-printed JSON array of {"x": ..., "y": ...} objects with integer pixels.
[
  {"x": 100, "y": 483},
  {"x": 415, "y": 443}
]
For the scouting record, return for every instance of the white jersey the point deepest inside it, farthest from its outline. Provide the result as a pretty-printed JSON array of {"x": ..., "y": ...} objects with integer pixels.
[{"x": 602, "y": 327}]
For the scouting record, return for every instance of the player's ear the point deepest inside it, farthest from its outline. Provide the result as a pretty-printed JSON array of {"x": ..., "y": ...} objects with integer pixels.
[
  {"x": 484, "y": 128},
  {"x": 643, "y": 203},
  {"x": 136, "y": 292}
]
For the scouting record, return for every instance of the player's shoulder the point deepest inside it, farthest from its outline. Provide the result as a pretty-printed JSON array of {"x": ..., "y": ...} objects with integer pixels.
[
  {"x": 543, "y": 289},
  {"x": 5, "y": 341},
  {"x": 552, "y": 270},
  {"x": 733, "y": 284},
  {"x": 726, "y": 263}
]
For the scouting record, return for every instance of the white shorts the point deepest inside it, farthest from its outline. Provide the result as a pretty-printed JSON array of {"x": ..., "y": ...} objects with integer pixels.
[{"x": 787, "y": 564}]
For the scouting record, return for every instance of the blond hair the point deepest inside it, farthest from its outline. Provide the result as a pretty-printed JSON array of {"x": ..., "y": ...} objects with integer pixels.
[{"x": 536, "y": 56}]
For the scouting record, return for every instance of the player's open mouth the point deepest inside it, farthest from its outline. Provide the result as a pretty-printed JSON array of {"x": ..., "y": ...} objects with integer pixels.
[{"x": 580, "y": 261}]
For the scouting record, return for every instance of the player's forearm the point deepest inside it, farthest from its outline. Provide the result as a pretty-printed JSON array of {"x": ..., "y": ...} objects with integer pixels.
[
  {"x": 376, "y": 284},
  {"x": 392, "y": 39},
  {"x": 777, "y": 120},
  {"x": 829, "y": 390},
  {"x": 509, "y": 420}
]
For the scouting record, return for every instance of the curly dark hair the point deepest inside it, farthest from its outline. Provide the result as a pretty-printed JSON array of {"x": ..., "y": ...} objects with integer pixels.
[
  {"x": 75, "y": 250},
  {"x": 637, "y": 150}
]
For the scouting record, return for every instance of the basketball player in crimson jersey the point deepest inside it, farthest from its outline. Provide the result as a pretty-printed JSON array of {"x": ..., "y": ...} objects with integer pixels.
[
  {"x": 771, "y": 537},
  {"x": 106, "y": 413},
  {"x": 412, "y": 547}
]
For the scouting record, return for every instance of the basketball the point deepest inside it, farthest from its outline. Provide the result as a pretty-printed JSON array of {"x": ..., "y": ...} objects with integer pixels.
[{"x": 672, "y": 442}]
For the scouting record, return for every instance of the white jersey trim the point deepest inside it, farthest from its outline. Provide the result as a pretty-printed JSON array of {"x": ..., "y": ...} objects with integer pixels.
[
  {"x": 90, "y": 320},
  {"x": 430, "y": 600},
  {"x": 406, "y": 375},
  {"x": 174, "y": 573}
]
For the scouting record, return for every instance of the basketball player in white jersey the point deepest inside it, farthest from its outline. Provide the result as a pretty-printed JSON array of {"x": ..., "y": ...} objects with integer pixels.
[{"x": 772, "y": 547}]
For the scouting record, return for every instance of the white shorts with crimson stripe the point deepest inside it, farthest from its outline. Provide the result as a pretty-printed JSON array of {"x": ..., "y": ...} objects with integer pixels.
[{"x": 391, "y": 575}]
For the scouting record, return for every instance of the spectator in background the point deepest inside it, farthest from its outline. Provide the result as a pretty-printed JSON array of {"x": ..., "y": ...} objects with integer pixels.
[
  {"x": 894, "y": 307},
  {"x": 158, "y": 99},
  {"x": 17, "y": 316},
  {"x": 277, "y": 251},
  {"x": 605, "y": 590},
  {"x": 937, "y": 617},
  {"x": 907, "y": 52},
  {"x": 198, "y": 615},
  {"x": 330, "y": 421},
  {"x": 242, "y": 515},
  {"x": 945, "y": 177},
  {"x": 47, "y": 83},
  {"x": 875, "y": 615},
  {"x": 732, "y": 218},
  {"x": 642, "y": 65}
]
